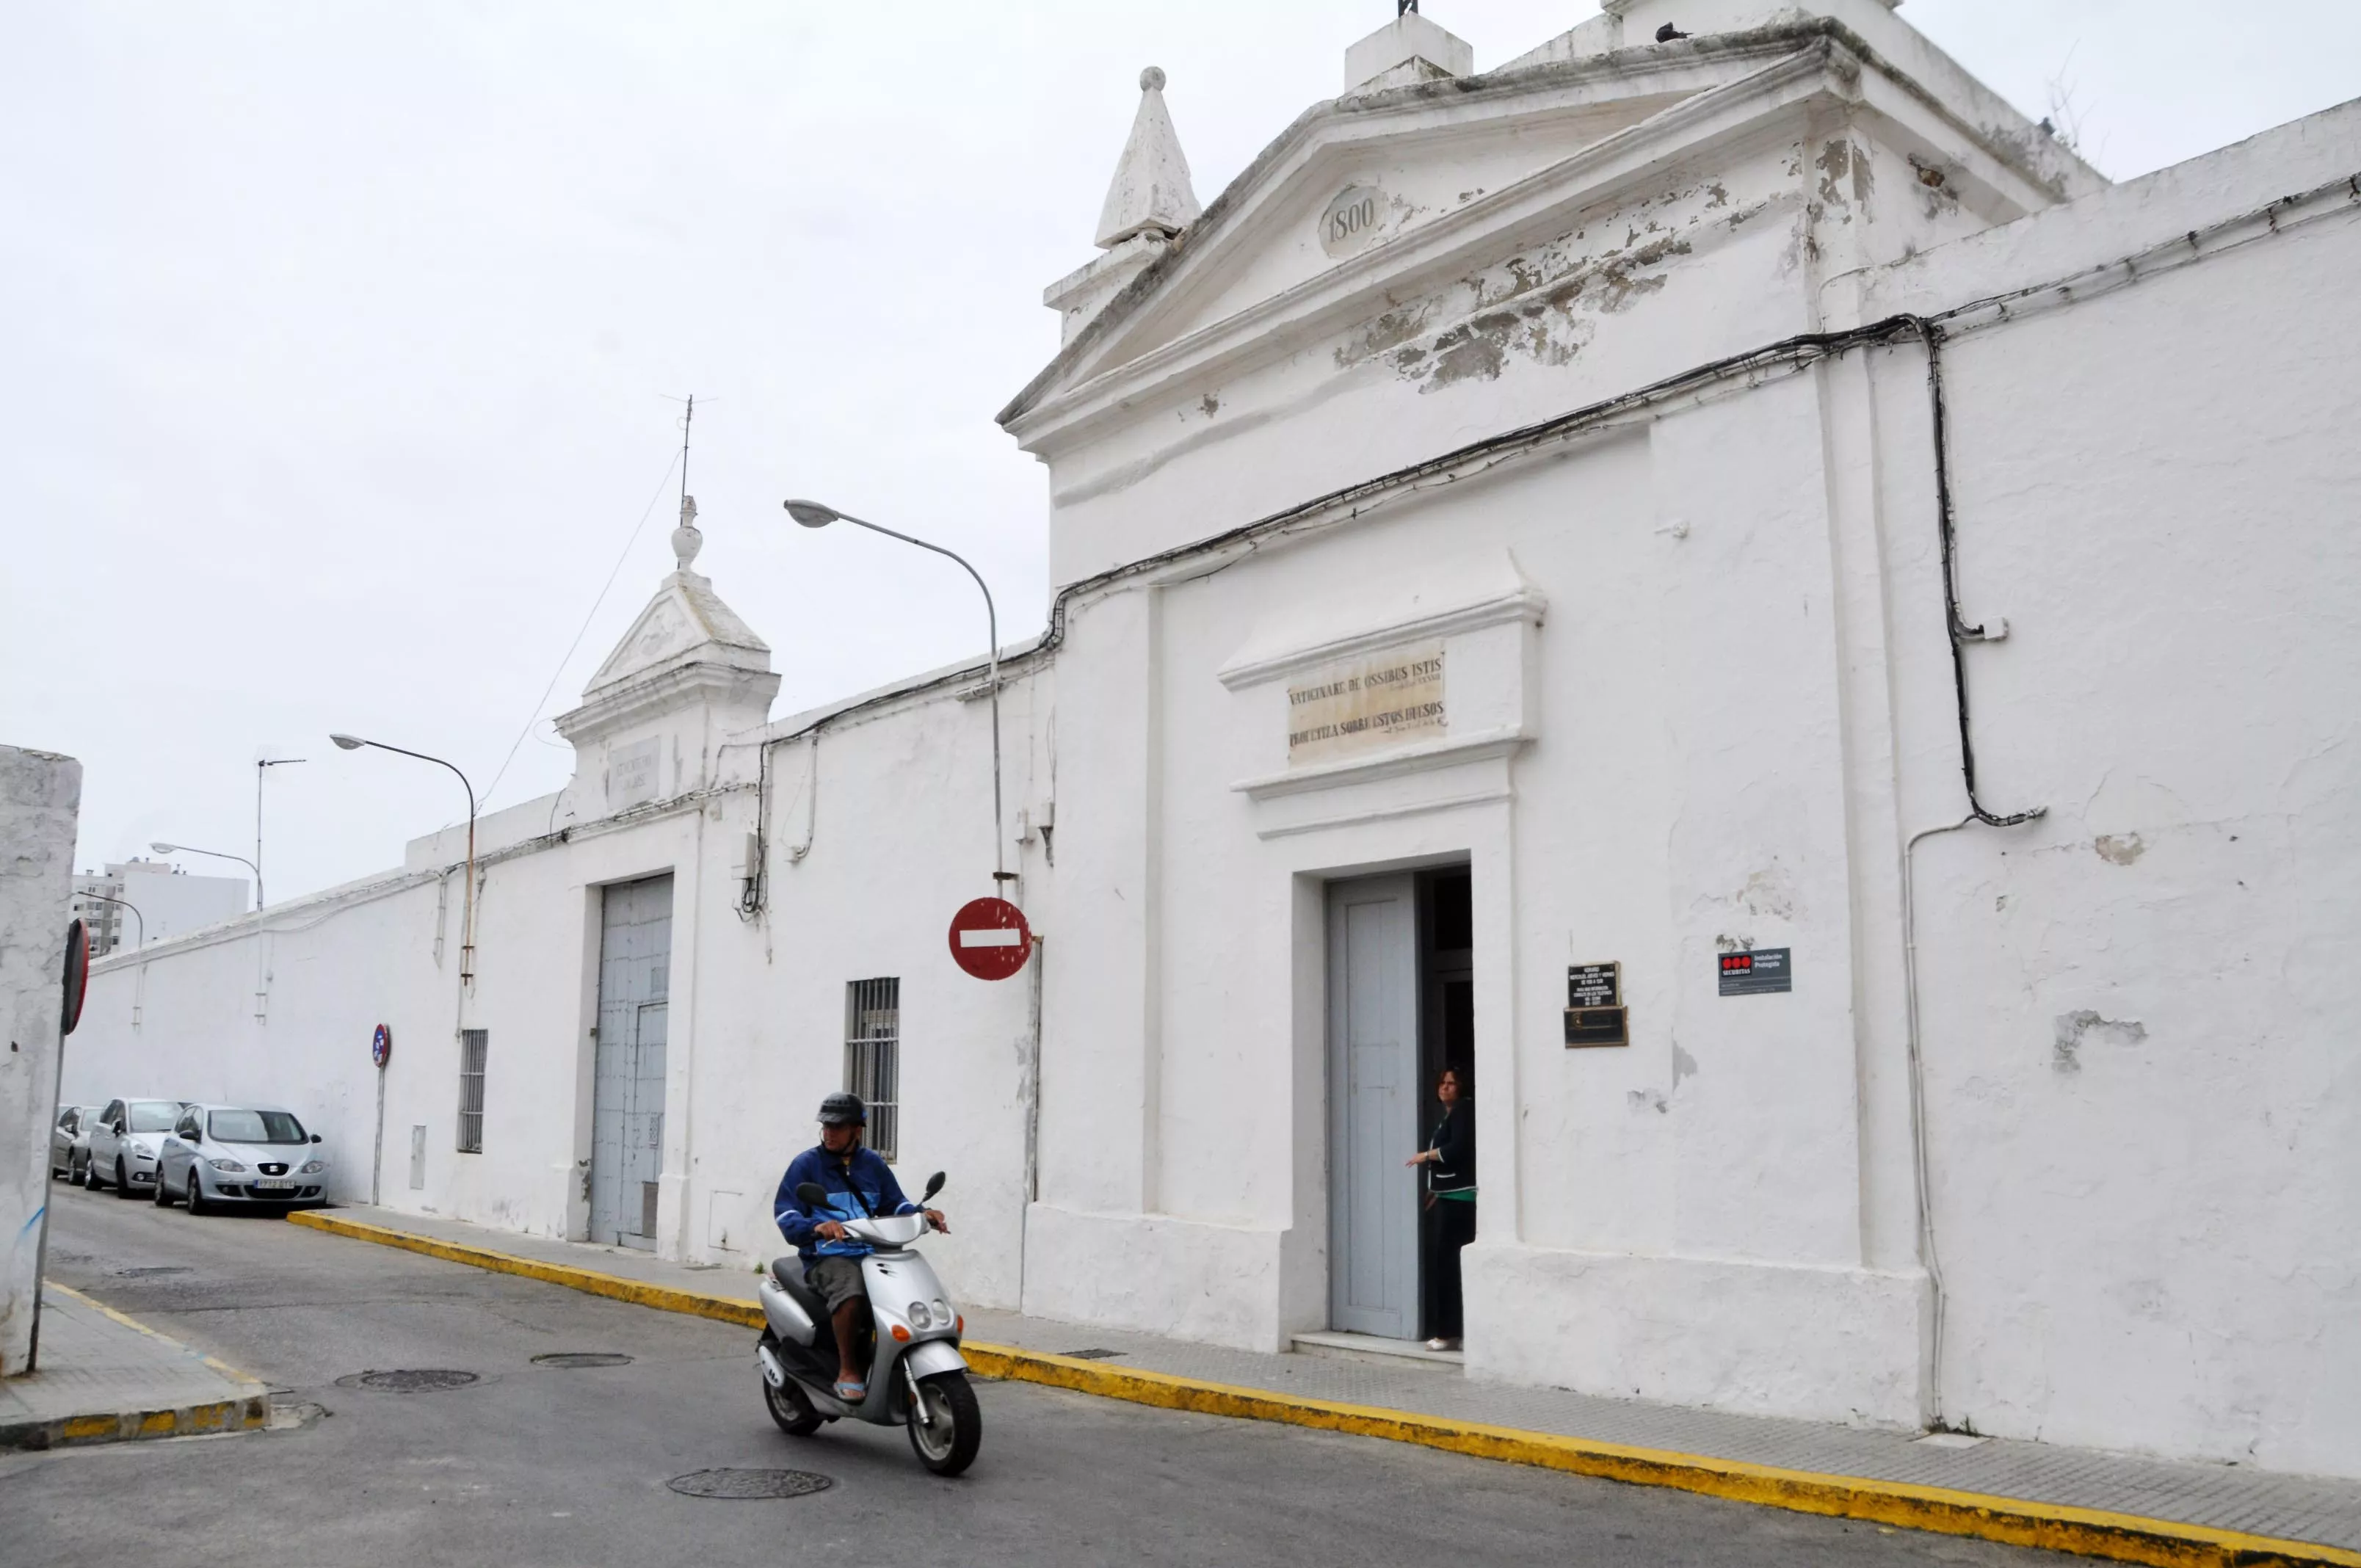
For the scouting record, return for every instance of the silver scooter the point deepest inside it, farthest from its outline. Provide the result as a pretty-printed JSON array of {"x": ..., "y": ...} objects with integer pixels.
[{"x": 916, "y": 1376}]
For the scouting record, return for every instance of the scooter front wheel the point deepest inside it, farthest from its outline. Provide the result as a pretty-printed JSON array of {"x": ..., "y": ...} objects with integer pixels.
[{"x": 946, "y": 1426}]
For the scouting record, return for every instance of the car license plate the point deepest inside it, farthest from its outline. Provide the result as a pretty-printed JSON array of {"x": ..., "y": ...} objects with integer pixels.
[{"x": 268, "y": 1185}]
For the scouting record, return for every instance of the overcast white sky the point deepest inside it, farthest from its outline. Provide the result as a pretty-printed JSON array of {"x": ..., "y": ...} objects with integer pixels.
[{"x": 337, "y": 338}]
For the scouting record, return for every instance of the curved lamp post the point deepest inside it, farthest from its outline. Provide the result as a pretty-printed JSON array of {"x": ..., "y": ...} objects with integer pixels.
[
  {"x": 163, "y": 849},
  {"x": 812, "y": 514},
  {"x": 127, "y": 903},
  {"x": 468, "y": 917}
]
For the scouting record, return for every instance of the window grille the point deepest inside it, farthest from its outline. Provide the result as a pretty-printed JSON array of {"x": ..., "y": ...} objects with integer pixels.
[
  {"x": 473, "y": 1045},
  {"x": 872, "y": 1057}
]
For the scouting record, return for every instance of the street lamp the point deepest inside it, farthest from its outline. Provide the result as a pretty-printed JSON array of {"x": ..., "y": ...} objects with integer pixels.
[
  {"x": 163, "y": 849},
  {"x": 127, "y": 903},
  {"x": 468, "y": 917},
  {"x": 812, "y": 514},
  {"x": 262, "y": 766}
]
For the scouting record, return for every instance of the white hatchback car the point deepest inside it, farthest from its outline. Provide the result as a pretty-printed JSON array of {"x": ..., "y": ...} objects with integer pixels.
[
  {"x": 123, "y": 1143},
  {"x": 240, "y": 1155}
]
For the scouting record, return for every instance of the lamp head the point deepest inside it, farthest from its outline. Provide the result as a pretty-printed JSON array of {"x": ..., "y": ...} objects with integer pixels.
[
  {"x": 811, "y": 514},
  {"x": 348, "y": 742},
  {"x": 163, "y": 849}
]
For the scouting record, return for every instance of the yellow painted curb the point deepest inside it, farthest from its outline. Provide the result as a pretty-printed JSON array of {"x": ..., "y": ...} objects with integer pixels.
[
  {"x": 639, "y": 1292},
  {"x": 247, "y": 1413},
  {"x": 2089, "y": 1532}
]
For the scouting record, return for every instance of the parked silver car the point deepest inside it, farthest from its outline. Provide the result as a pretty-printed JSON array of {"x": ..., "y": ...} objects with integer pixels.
[
  {"x": 70, "y": 1141},
  {"x": 240, "y": 1153},
  {"x": 124, "y": 1142}
]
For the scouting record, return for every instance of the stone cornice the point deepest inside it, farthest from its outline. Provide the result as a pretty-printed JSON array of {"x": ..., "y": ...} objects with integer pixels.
[{"x": 1047, "y": 418}]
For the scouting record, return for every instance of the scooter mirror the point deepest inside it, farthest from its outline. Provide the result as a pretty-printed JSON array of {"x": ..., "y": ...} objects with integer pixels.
[
  {"x": 934, "y": 1185},
  {"x": 813, "y": 1193}
]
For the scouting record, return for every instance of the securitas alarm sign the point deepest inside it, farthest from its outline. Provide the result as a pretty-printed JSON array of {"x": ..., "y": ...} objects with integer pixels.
[{"x": 1754, "y": 974}]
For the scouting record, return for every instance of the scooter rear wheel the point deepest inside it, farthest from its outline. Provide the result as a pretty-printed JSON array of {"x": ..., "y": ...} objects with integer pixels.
[
  {"x": 946, "y": 1426},
  {"x": 790, "y": 1408}
]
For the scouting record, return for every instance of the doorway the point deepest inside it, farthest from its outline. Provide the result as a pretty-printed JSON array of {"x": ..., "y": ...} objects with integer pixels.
[
  {"x": 1401, "y": 1007},
  {"x": 628, "y": 1079}
]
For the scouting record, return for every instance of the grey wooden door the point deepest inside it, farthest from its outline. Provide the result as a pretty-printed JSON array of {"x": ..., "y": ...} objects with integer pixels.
[
  {"x": 1372, "y": 1106},
  {"x": 628, "y": 1088}
]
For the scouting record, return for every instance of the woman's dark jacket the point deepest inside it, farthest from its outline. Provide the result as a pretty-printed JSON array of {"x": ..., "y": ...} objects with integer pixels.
[{"x": 1455, "y": 1143}]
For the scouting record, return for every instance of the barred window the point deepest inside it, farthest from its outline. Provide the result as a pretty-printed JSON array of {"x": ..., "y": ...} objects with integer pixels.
[
  {"x": 473, "y": 1045},
  {"x": 873, "y": 1055}
]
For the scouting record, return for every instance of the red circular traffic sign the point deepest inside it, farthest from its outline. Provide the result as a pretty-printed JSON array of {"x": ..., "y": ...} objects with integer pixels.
[
  {"x": 381, "y": 1045},
  {"x": 990, "y": 938},
  {"x": 77, "y": 976}
]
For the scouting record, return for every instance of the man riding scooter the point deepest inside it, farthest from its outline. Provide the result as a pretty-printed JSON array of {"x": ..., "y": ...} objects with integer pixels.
[{"x": 859, "y": 1185}]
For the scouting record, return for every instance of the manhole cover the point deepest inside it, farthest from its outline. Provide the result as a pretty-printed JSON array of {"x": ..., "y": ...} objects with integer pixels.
[
  {"x": 150, "y": 1273},
  {"x": 1090, "y": 1355},
  {"x": 749, "y": 1484},
  {"x": 570, "y": 1358},
  {"x": 408, "y": 1381}
]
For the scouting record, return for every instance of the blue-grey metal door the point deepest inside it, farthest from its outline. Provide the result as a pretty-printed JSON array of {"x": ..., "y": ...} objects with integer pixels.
[
  {"x": 628, "y": 1087},
  {"x": 1372, "y": 1105}
]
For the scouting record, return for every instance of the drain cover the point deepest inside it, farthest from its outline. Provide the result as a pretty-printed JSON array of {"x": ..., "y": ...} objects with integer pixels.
[
  {"x": 572, "y": 1358},
  {"x": 408, "y": 1381},
  {"x": 149, "y": 1273},
  {"x": 1090, "y": 1355},
  {"x": 750, "y": 1483}
]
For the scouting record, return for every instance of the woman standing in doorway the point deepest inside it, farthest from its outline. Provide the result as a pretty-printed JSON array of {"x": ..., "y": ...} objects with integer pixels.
[{"x": 1450, "y": 1160}]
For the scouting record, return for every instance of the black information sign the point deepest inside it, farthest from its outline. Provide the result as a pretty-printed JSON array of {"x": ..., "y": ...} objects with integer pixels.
[
  {"x": 1756, "y": 974},
  {"x": 1594, "y": 985},
  {"x": 1597, "y": 1027}
]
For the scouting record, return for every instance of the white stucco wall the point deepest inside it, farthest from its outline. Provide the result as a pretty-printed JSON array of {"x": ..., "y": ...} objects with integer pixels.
[
  {"x": 40, "y": 797},
  {"x": 1702, "y": 697}
]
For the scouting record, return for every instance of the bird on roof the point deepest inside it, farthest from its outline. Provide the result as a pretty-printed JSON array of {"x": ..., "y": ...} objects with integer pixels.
[{"x": 1667, "y": 33}]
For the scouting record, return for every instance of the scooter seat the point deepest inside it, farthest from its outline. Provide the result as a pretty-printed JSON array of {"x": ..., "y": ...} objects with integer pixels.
[{"x": 789, "y": 1272}]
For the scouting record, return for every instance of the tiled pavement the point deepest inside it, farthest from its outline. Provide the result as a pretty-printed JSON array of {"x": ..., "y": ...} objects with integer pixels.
[
  {"x": 2223, "y": 1496},
  {"x": 102, "y": 1377}
]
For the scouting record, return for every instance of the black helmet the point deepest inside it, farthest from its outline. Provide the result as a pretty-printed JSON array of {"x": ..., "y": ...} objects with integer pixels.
[{"x": 843, "y": 1109}]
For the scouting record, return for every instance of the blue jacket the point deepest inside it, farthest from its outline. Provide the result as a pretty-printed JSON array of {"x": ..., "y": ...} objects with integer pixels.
[{"x": 867, "y": 1173}]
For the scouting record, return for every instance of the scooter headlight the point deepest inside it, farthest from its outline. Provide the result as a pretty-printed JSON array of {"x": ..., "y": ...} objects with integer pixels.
[
  {"x": 942, "y": 1313},
  {"x": 919, "y": 1315}
]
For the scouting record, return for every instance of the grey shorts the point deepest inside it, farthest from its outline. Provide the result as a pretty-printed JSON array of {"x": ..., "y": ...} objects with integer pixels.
[{"x": 838, "y": 1281}]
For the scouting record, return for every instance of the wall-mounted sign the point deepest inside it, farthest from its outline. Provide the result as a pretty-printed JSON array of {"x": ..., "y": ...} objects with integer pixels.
[
  {"x": 1756, "y": 974},
  {"x": 1594, "y": 1014},
  {"x": 1594, "y": 985},
  {"x": 381, "y": 1045},
  {"x": 77, "y": 977},
  {"x": 1366, "y": 705},
  {"x": 990, "y": 938},
  {"x": 632, "y": 773},
  {"x": 1354, "y": 220}
]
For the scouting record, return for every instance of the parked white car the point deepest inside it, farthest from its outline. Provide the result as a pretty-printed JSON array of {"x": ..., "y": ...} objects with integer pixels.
[
  {"x": 238, "y": 1155},
  {"x": 124, "y": 1142},
  {"x": 70, "y": 1141}
]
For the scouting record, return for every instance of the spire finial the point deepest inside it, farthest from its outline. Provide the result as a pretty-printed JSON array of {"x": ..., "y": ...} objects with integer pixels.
[
  {"x": 1150, "y": 194},
  {"x": 687, "y": 539}
]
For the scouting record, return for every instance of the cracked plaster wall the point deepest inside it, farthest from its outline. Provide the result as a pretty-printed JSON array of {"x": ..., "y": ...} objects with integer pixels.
[
  {"x": 2145, "y": 1109},
  {"x": 41, "y": 798}
]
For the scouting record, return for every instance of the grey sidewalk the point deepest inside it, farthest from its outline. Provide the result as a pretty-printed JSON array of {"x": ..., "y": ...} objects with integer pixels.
[
  {"x": 2220, "y": 1496},
  {"x": 104, "y": 1379}
]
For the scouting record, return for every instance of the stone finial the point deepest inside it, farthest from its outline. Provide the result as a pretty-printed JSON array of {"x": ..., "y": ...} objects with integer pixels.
[
  {"x": 686, "y": 540},
  {"x": 1150, "y": 194}
]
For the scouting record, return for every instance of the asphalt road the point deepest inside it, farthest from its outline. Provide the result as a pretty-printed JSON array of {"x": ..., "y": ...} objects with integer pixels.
[{"x": 532, "y": 1465}]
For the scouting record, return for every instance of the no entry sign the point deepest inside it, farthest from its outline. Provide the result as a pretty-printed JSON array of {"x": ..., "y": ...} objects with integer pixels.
[{"x": 990, "y": 938}]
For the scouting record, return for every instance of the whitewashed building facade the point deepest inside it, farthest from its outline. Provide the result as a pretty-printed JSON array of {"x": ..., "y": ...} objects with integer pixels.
[{"x": 1749, "y": 524}]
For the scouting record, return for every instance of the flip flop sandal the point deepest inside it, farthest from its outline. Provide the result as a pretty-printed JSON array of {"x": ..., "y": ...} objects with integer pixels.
[{"x": 852, "y": 1393}]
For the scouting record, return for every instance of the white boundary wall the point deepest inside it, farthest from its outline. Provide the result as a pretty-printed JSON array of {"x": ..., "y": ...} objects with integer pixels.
[{"x": 1701, "y": 696}]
